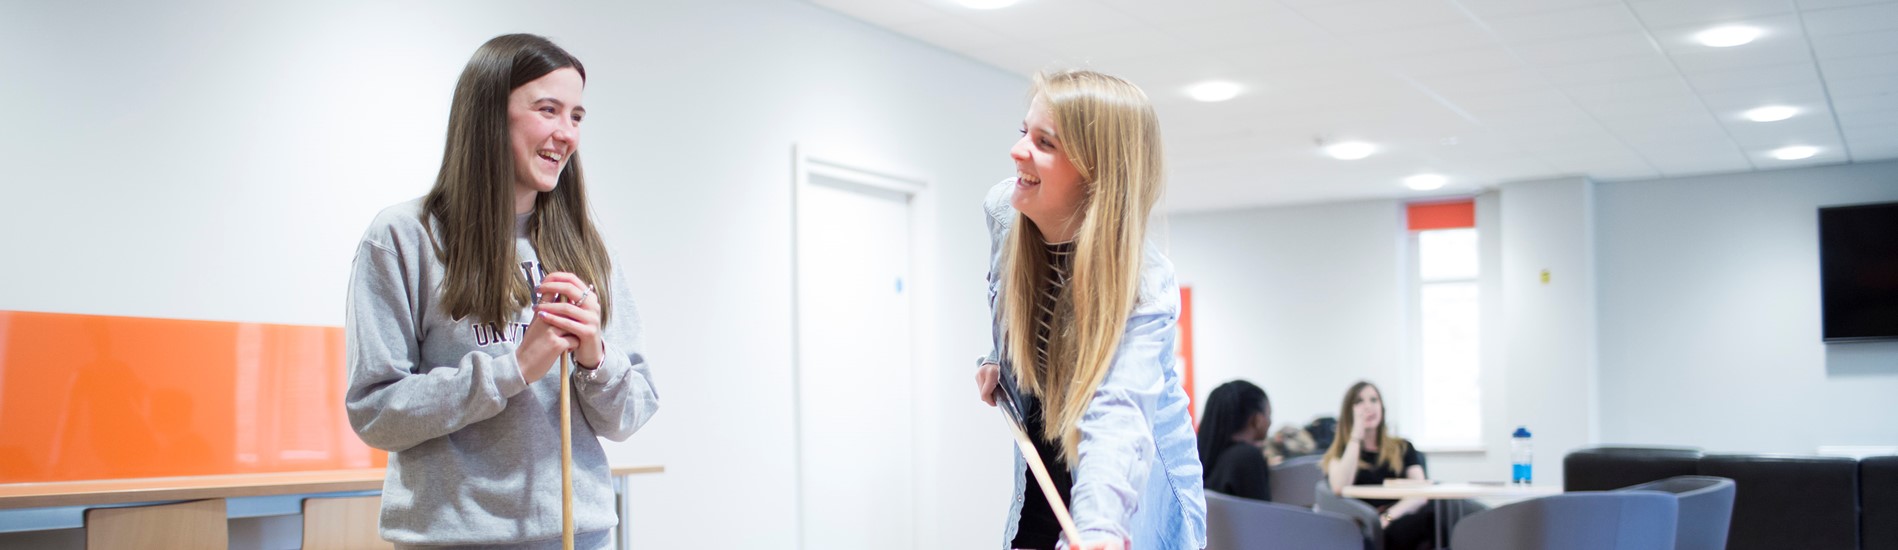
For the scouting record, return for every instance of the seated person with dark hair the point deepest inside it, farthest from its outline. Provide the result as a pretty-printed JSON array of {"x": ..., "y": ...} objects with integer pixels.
[{"x": 1237, "y": 419}]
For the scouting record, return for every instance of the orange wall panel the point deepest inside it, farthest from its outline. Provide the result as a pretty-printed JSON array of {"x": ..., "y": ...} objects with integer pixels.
[
  {"x": 103, "y": 397},
  {"x": 1441, "y": 215}
]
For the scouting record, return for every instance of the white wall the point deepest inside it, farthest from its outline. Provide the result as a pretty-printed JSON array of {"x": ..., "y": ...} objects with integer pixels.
[
  {"x": 1696, "y": 322},
  {"x": 1303, "y": 301},
  {"x": 1710, "y": 315},
  {"x": 219, "y": 160},
  {"x": 1549, "y": 333}
]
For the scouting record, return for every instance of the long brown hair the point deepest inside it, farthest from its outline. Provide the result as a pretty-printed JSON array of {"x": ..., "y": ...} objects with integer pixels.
[
  {"x": 1390, "y": 449},
  {"x": 473, "y": 197},
  {"x": 1112, "y": 137}
]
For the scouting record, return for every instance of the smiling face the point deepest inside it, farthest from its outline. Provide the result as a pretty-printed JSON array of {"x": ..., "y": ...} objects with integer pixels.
[
  {"x": 543, "y": 119},
  {"x": 1048, "y": 189},
  {"x": 1369, "y": 409}
]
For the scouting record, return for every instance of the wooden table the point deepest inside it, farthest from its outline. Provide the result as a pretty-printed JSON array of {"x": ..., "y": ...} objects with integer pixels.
[
  {"x": 76, "y": 495},
  {"x": 1441, "y": 494}
]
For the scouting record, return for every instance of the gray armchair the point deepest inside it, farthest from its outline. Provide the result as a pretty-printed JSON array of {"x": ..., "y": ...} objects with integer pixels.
[
  {"x": 1234, "y": 523},
  {"x": 1369, "y": 527},
  {"x": 1292, "y": 480},
  {"x": 1614, "y": 520},
  {"x": 1706, "y": 509}
]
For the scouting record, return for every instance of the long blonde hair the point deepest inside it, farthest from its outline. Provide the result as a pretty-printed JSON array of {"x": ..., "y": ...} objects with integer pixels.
[
  {"x": 1112, "y": 137},
  {"x": 1390, "y": 449}
]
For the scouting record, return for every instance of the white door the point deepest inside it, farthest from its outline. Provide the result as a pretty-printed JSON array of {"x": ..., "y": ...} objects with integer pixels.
[{"x": 855, "y": 424}]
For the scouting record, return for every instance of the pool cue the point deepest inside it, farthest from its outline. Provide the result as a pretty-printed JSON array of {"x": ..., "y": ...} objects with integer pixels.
[
  {"x": 566, "y": 454},
  {"x": 1040, "y": 469}
]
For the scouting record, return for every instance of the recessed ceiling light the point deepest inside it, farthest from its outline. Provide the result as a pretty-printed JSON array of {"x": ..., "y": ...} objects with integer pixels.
[
  {"x": 986, "y": 4},
  {"x": 1795, "y": 152},
  {"x": 1425, "y": 182},
  {"x": 1213, "y": 91},
  {"x": 1350, "y": 150},
  {"x": 1722, "y": 37},
  {"x": 1772, "y": 113}
]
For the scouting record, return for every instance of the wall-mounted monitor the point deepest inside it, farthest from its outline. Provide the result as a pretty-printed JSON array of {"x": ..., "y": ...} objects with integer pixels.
[{"x": 1858, "y": 271}]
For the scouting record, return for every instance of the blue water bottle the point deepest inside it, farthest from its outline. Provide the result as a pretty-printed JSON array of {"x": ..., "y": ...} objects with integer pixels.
[{"x": 1520, "y": 456}]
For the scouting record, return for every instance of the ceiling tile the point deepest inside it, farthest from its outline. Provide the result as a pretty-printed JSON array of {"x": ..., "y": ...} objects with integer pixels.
[
  {"x": 1502, "y": 8},
  {"x": 1621, "y": 165},
  {"x": 1532, "y": 99},
  {"x": 1564, "y": 24},
  {"x": 1785, "y": 74},
  {"x": 1862, "y": 104},
  {"x": 1854, "y": 45},
  {"x": 1672, "y": 13},
  {"x": 1828, "y": 154},
  {"x": 1489, "y": 83},
  {"x": 1663, "y": 86},
  {"x": 1684, "y": 162},
  {"x": 1179, "y": 10},
  {"x": 1418, "y": 41},
  {"x": 1870, "y": 133},
  {"x": 1045, "y": 20},
  {"x": 954, "y": 34},
  {"x": 1615, "y": 70},
  {"x": 1378, "y": 15},
  {"x": 1856, "y": 19},
  {"x": 1587, "y": 49},
  {"x": 1458, "y": 63},
  {"x": 1885, "y": 86},
  {"x": 1827, "y": 4},
  {"x": 1021, "y": 59},
  {"x": 1857, "y": 67},
  {"x": 886, "y": 13},
  {"x": 1813, "y": 127},
  {"x": 1798, "y": 95},
  {"x": 1742, "y": 57},
  {"x": 1273, "y": 60},
  {"x": 1861, "y": 119},
  {"x": 1138, "y": 43},
  {"x": 1654, "y": 109},
  {"x": 1243, "y": 29},
  {"x": 1776, "y": 30}
]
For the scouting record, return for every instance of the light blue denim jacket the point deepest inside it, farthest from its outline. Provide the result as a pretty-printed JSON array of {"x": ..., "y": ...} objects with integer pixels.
[{"x": 1138, "y": 476}]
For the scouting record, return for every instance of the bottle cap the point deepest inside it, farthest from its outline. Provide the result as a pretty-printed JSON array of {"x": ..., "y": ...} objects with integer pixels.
[{"x": 1521, "y": 431}]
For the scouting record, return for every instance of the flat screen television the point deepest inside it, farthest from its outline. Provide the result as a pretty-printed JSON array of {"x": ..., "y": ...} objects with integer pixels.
[{"x": 1858, "y": 271}]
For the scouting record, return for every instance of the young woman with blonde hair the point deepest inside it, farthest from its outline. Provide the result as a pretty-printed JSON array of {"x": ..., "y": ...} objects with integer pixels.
[
  {"x": 1084, "y": 313},
  {"x": 462, "y": 300},
  {"x": 1365, "y": 453}
]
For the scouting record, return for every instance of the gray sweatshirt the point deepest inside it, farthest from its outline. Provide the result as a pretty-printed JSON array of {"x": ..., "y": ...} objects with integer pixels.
[{"x": 474, "y": 451}]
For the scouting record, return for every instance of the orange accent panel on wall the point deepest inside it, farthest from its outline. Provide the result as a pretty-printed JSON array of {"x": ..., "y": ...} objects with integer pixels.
[
  {"x": 103, "y": 397},
  {"x": 1186, "y": 352},
  {"x": 1442, "y": 215}
]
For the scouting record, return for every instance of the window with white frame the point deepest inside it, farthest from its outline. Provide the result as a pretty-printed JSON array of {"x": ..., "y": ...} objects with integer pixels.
[{"x": 1445, "y": 333}]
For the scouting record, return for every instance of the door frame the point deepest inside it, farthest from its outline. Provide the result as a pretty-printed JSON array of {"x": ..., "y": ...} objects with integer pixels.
[{"x": 919, "y": 283}]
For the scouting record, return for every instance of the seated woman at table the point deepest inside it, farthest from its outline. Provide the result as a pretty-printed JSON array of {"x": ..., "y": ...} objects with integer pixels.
[
  {"x": 1375, "y": 456},
  {"x": 1235, "y": 423}
]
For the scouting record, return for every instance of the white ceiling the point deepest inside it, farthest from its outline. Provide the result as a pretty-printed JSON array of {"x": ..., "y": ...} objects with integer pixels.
[{"x": 1481, "y": 91}]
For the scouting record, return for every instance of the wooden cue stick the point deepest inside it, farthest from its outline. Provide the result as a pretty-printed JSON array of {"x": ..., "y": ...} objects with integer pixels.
[
  {"x": 566, "y": 455},
  {"x": 1040, "y": 470}
]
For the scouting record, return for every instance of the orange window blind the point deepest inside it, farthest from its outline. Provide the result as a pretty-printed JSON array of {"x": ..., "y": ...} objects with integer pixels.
[
  {"x": 1441, "y": 215},
  {"x": 104, "y": 397}
]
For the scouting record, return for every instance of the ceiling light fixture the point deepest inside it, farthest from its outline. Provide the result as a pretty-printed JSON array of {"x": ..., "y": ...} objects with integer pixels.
[
  {"x": 1725, "y": 37},
  {"x": 1425, "y": 182},
  {"x": 1213, "y": 91},
  {"x": 1795, "y": 152},
  {"x": 1773, "y": 113},
  {"x": 1350, "y": 150}
]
